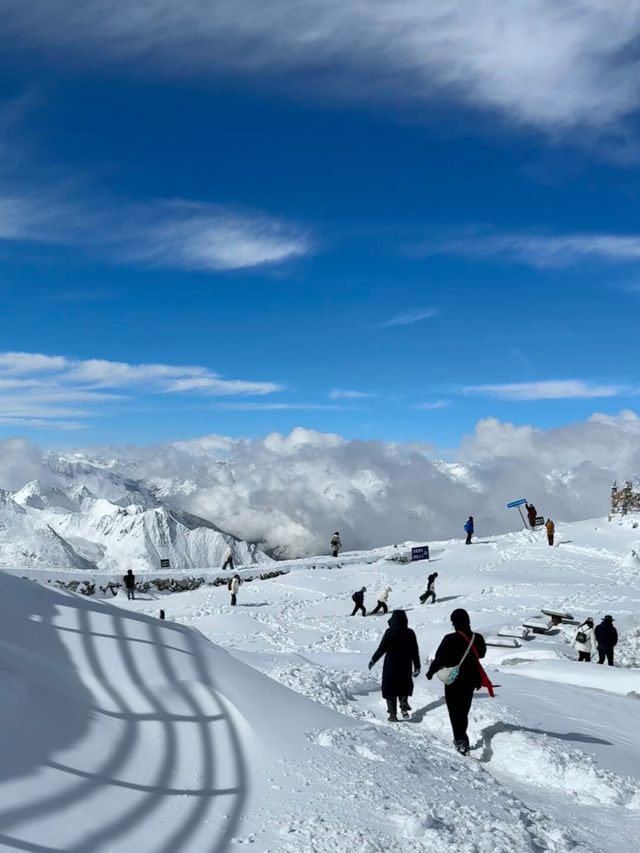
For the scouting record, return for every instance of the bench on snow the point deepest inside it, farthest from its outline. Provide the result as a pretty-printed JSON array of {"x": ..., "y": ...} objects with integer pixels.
[
  {"x": 503, "y": 642},
  {"x": 538, "y": 625},
  {"x": 558, "y": 616},
  {"x": 517, "y": 631}
]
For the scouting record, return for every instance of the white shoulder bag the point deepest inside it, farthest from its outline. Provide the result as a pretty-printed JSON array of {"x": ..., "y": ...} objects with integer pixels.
[{"x": 448, "y": 674}]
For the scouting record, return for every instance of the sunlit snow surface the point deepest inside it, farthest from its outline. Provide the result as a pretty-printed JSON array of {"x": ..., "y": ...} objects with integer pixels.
[{"x": 123, "y": 733}]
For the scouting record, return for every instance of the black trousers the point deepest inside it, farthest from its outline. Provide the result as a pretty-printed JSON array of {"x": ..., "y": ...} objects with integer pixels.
[
  {"x": 131, "y": 594},
  {"x": 459, "y": 698},
  {"x": 584, "y": 656},
  {"x": 468, "y": 542},
  {"x": 550, "y": 538},
  {"x": 228, "y": 564},
  {"x": 359, "y": 607},
  {"x": 334, "y": 553},
  {"x": 392, "y": 706},
  {"x": 233, "y": 599},
  {"x": 604, "y": 652},
  {"x": 428, "y": 594},
  {"x": 381, "y": 605}
]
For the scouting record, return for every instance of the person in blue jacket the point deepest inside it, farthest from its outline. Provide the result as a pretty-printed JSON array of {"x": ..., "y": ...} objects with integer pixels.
[{"x": 468, "y": 529}]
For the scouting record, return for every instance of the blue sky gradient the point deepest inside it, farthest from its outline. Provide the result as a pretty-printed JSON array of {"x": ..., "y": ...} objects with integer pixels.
[{"x": 373, "y": 259}]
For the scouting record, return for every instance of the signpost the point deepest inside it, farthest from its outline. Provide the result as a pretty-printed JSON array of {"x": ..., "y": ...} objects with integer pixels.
[
  {"x": 519, "y": 504},
  {"x": 421, "y": 552},
  {"x": 165, "y": 564}
]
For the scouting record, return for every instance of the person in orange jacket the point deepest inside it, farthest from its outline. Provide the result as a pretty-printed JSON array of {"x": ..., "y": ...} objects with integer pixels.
[{"x": 551, "y": 531}]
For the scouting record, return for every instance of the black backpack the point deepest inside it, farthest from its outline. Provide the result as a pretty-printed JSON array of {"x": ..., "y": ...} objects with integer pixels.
[
  {"x": 581, "y": 637},
  {"x": 355, "y": 596}
]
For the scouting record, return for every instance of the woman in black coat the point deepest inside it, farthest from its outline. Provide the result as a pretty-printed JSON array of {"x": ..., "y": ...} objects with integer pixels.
[
  {"x": 401, "y": 664},
  {"x": 472, "y": 677}
]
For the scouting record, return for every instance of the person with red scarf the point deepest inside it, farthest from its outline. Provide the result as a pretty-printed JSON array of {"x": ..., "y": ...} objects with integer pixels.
[{"x": 471, "y": 675}]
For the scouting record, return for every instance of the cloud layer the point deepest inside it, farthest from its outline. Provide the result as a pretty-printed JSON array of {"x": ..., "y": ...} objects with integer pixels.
[
  {"x": 538, "y": 62},
  {"x": 292, "y": 491}
]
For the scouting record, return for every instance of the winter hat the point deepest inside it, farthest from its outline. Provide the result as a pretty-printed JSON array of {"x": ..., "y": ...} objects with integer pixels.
[
  {"x": 460, "y": 619},
  {"x": 589, "y": 619},
  {"x": 608, "y": 618},
  {"x": 364, "y": 589}
]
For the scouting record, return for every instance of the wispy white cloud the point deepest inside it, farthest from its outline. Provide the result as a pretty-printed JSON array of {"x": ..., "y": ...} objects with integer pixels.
[
  {"x": 278, "y": 407},
  {"x": 563, "y": 389},
  {"x": 432, "y": 406},
  {"x": 38, "y": 389},
  {"x": 177, "y": 234},
  {"x": 537, "y": 250},
  {"x": 409, "y": 318},
  {"x": 339, "y": 394},
  {"x": 537, "y": 62}
]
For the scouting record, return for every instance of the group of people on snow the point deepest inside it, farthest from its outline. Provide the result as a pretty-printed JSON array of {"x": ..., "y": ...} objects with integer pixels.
[
  {"x": 602, "y": 639},
  {"x": 383, "y": 597},
  {"x": 456, "y": 663}
]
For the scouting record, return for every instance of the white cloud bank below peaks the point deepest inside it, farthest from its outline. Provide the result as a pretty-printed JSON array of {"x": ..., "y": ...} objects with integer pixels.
[{"x": 292, "y": 491}]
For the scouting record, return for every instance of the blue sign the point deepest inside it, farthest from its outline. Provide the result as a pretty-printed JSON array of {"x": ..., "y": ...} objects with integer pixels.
[
  {"x": 516, "y": 503},
  {"x": 420, "y": 553}
]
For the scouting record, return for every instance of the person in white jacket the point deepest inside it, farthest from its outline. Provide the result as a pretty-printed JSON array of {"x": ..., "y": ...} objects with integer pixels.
[
  {"x": 233, "y": 587},
  {"x": 383, "y": 597},
  {"x": 585, "y": 640}
]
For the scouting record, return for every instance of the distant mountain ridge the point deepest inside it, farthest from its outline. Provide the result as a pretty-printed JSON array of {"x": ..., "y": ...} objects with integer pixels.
[{"x": 67, "y": 525}]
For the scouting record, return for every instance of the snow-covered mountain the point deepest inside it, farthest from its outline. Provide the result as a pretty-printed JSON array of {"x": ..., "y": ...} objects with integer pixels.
[
  {"x": 28, "y": 541},
  {"x": 48, "y": 525}
]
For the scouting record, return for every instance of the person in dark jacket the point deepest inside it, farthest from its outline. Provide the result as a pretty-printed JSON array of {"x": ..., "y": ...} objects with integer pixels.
[
  {"x": 358, "y": 601},
  {"x": 532, "y": 514},
  {"x": 468, "y": 529},
  {"x": 459, "y": 694},
  {"x": 401, "y": 664},
  {"x": 130, "y": 585},
  {"x": 606, "y": 640},
  {"x": 430, "y": 591}
]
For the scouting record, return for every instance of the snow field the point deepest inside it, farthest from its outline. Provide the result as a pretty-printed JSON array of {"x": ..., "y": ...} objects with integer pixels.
[{"x": 260, "y": 726}]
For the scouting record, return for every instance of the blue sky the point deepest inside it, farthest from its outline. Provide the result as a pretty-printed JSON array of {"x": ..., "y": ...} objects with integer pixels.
[{"x": 218, "y": 221}]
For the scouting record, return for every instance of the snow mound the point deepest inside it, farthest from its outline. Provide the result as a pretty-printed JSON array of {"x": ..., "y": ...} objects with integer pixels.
[{"x": 536, "y": 759}]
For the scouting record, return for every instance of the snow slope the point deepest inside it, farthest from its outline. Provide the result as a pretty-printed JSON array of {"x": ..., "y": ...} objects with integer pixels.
[{"x": 274, "y": 738}]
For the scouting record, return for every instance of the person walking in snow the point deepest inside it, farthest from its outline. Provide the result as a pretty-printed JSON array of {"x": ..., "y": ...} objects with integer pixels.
[
  {"x": 468, "y": 529},
  {"x": 585, "y": 641},
  {"x": 532, "y": 514},
  {"x": 460, "y": 651},
  {"x": 336, "y": 544},
  {"x": 228, "y": 560},
  {"x": 383, "y": 597},
  {"x": 551, "y": 531},
  {"x": 430, "y": 591},
  {"x": 358, "y": 601},
  {"x": 401, "y": 664},
  {"x": 130, "y": 585},
  {"x": 606, "y": 640},
  {"x": 233, "y": 586}
]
